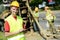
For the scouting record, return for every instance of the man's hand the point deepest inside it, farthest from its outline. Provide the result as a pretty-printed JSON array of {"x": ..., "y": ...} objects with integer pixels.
[
  {"x": 22, "y": 30},
  {"x": 13, "y": 33}
]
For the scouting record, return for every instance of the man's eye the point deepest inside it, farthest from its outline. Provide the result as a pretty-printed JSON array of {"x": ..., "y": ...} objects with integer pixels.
[{"x": 13, "y": 9}]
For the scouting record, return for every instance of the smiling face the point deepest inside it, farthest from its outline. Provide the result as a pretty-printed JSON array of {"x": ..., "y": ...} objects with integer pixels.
[{"x": 14, "y": 10}]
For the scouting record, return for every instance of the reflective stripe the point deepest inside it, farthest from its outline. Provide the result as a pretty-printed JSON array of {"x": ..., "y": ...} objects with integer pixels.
[{"x": 16, "y": 37}]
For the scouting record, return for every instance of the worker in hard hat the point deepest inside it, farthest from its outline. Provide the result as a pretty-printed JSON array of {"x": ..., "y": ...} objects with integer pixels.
[
  {"x": 36, "y": 13},
  {"x": 50, "y": 17},
  {"x": 36, "y": 16},
  {"x": 14, "y": 24}
]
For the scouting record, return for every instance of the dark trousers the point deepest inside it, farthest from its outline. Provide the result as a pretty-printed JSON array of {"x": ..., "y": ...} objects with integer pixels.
[{"x": 35, "y": 27}]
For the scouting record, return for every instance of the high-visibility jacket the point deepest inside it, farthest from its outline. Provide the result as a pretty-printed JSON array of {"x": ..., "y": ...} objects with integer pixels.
[
  {"x": 49, "y": 15},
  {"x": 15, "y": 25},
  {"x": 36, "y": 14}
]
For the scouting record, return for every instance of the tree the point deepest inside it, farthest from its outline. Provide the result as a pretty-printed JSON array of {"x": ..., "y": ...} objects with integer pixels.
[
  {"x": 1, "y": 2},
  {"x": 35, "y": 2}
]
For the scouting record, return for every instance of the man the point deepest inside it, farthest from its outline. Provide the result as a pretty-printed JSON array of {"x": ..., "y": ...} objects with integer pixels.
[
  {"x": 36, "y": 16},
  {"x": 36, "y": 13},
  {"x": 14, "y": 24},
  {"x": 50, "y": 17}
]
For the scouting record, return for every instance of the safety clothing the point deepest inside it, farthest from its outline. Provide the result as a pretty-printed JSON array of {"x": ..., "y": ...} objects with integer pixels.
[
  {"x": 36, "y": 14},
  {"x": 15, "y": 25},
  {"x": 49, "y": 16},
  {"x": 14, "y": 3}
]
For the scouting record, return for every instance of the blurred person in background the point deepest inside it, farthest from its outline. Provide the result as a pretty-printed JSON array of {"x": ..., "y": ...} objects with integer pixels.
[
  {"x": 50, "y": 17},
  {"x": 36, "y": 13},
  {"x": 36, "y": 16}
]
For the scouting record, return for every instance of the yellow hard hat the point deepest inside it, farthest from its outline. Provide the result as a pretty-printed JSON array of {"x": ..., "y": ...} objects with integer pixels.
[
  {"x": 14, "y": 3},
  {"x": 36, "y": 9}
]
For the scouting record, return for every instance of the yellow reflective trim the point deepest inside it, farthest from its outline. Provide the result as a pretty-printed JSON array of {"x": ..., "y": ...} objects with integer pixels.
[{"x": 16, "y": 37}]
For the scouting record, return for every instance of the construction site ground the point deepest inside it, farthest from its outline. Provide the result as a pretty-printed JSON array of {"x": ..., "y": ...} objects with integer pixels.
[
  {"x": 29, "y": 36},
  {"x": 36, "y": 36}
]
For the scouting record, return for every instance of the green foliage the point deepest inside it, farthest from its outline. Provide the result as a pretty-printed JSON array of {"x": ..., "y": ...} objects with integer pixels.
[
  {"x": 0, "y": 1},
  {"x": 35, "y": 2}
]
